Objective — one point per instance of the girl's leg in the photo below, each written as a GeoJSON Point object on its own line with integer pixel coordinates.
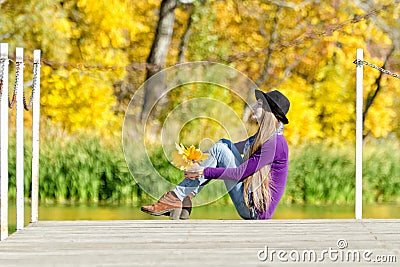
{"type": "Point", "coordinates": [236, 194]}
{"type": "Point", "coordinates": [222, 154]}
{"type": "Point", "coordinates": [235, 190]}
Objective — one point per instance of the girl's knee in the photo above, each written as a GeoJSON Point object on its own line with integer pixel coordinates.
{"type": "Point", "coordinates": [221, 145]}
{"type": "Point", "coordinates": [226, 142]}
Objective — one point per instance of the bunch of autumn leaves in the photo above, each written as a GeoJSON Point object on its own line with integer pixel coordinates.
{"type": "Point", "coordinates": [185, 157]}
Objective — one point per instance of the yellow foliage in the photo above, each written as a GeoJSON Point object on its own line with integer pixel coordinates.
{"type": "Point", "coordinates": [184, 157]}
{"type": "Point", "coordinates": [76, 101]}
{"type": "Point", "coordinates": [303, 125]}
{"type": "Point", "coordinates": [317, 72]}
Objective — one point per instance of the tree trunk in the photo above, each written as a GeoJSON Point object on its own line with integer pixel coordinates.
{"type": "Point", "coordinates": [158, 54]}
{"type": "Point", "coordinates": [373, 94]}
{"type": "Point", "coordinates": [264, 72]}
{"type": "Point", "coordinates": [185, 37]}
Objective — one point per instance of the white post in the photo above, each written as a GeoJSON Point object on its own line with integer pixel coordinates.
{"type": "Point", "coordinates": [4, 144]}
{"type": "Point", "coordinates": [35, 137]}
{"type": "Point", "coordinates": [19, 55]}
{"type": "Point", "coordinates": [359, 137]}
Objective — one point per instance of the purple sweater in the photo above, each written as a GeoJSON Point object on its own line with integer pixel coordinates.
{"type": "Point", "coordinates": [273, 151]}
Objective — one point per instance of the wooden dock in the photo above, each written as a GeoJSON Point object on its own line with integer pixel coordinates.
{"type": "Point", "coordinates": [204, 243]}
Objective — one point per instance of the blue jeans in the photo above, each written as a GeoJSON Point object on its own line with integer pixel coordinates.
{"type": "Point", "coordinates": [222, 154]}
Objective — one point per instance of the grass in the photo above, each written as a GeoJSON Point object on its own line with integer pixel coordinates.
{"type": "Point", "coordinates": [85, 170]}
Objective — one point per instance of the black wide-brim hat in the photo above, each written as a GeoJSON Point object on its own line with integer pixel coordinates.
{"type": "Point", "coordinates": [275, 102]}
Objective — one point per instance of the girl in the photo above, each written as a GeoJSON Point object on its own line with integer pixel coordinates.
{"type": "Point", "coordinates": [255, 182]}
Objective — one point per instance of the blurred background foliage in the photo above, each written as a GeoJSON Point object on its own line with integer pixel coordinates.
{"type": "Point", "coordinates": [96, 56]}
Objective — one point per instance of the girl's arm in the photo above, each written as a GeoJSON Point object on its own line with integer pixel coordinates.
{"type": "Point", "coordinates": [262, 157]}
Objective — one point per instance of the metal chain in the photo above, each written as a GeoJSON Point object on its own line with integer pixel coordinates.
{"type": "Point", "coordinates": [14, 97]}
{"type": "Point", "coordinates": [34, 81]}
{"type": "Point", "coordinates": [359, 62]}
{"type": "Point", "coordinates": [2, 61]}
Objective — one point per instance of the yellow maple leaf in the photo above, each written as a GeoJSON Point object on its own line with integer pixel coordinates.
{"type": "Point", "coordinates": [184, 157]}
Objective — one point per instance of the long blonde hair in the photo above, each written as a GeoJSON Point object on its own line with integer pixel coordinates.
{"type": "Point", "coordinates": [259, 182]}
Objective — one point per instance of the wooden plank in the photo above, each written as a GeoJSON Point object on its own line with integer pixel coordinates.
{"type": "Point", "coordinates": [190, 243]}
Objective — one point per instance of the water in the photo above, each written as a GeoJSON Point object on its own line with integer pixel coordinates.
{"type": "Point", "coordinates": [213, 211]}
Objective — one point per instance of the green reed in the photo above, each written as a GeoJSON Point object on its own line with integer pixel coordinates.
{"type": "Point", "coordinates": [325, 174]}
{"type": "Point", "coordinates": [85, 169]}
{"type": "Point", "coordinates": [78, 170]}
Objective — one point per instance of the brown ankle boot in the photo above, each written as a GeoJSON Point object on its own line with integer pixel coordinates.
{"type": "Point", "coordinates": [186, 207]}
{"type": "Point", "coordinates": [168, 203]}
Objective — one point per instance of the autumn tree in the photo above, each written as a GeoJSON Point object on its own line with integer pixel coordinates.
{"type": "Point", "coordinates": [97, 55]}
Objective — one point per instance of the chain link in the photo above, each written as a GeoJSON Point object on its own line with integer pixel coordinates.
{"type": "Point", "coordinates": [359, 62]}
{"type": "Point", "coordinates": [17, 78]}
{"type": "Point", "coordinates": [2, 62]}
{"type": "Point", "coordinates": [17, 74]}
{"type": "Point", "coordinates": [34, 81]}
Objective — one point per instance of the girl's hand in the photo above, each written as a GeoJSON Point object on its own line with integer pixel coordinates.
{"type": "Point", "coordinates": [195, 172]}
